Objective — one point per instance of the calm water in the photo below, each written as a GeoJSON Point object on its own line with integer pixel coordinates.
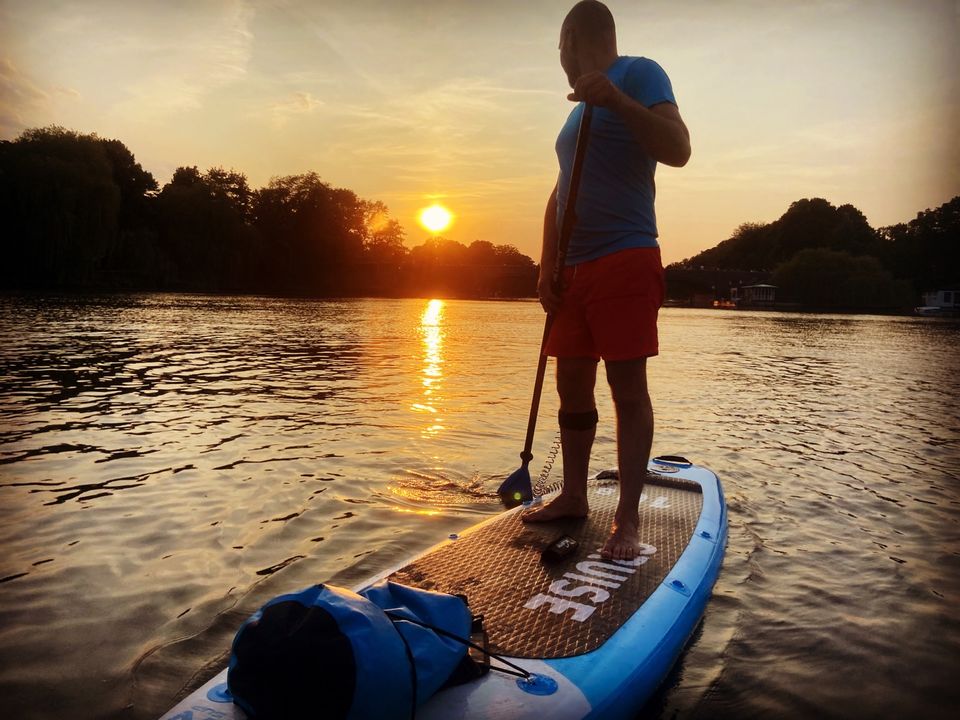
{"type": "Point", "coordinates": [168, 463]}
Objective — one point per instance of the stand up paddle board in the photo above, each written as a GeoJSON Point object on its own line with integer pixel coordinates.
{"type": "Point", "coordinates": [597, 635]}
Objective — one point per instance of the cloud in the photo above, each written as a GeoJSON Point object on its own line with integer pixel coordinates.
{"type": "Point", "coordinates": [296, 104]}
{"type": "Point", "coordinates": [23, 103]}
{"type": "Point", "coordinates": [453, 121]}
{"type": "Point", "coordinates": [178, 72]}
{"type": "Point", "coordinates": [17, 88]}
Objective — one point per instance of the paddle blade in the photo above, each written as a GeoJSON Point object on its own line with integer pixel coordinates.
{"type": "Point", "coordinates": [516, 489]}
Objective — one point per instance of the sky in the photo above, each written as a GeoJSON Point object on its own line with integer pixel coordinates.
{"type": "Point", "coordinates": [412, 102]}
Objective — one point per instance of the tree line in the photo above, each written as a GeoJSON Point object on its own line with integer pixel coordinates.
{"type": "Point", "coordinates": [80, 213]}
{"type": "Point", "coordinates": [822, 256]}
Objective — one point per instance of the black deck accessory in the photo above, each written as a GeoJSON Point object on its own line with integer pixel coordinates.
{"type": "Point", "coordinates": [562, 547]}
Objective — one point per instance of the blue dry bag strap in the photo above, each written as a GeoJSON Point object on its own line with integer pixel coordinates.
{"type": "Point", "coordinates": [519, 671]}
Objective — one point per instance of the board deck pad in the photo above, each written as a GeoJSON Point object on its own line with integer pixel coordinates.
{"type": "Point", "coordinates": [499, 569]}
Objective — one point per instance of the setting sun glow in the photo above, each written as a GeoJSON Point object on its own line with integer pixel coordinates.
{"type": "Point", "coordinates": [435, 218]}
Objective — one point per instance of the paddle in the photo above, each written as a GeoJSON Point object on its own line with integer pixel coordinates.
{"type": "Point", "coordinates": [517, 488]}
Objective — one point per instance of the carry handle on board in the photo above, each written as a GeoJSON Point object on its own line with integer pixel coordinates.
{"type": "Point", "coordinates": [518, 488]}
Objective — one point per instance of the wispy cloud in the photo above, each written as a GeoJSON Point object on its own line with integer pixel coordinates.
{"type": "Point", "coordinates": [180, 72]}
{"type": "Point", "coordinates": [23, 103]}
{"type": "Point", "coordinates": [15, 87]}
{"type": "Point", "coordinates": [298, 104]}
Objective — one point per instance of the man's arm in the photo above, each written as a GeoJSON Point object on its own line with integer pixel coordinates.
{"type": "Point", "coordinates": [548, 256]}
{"type": "Point", "coordinates": [659, 129]}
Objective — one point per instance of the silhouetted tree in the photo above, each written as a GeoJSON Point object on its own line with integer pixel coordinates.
{"type": "Point", "coordinates": [509, 255]}
{"type": "Point", "coordinates": [137, 186]}
{"type": "Point", "coordinates": [383, 238]}
{"type": "Point", "coordinates": [832, 279]}
{"type": "Point", "coordinates": [749, 247]}
{"type": "Point", "coordinates": [231, 187]}
{"type": "Point", "coordinates": [851, 233]}
{"type": "Point", "coordinates": [203, 229]}
{"type": "Point", "coordinates": [311, 228]}
{"type": "Point", "coordinates": [60, 207]}
{"type": "Point", "coordinates": [482, 253]}
{"type": "Point", "coordinates": [927, 249]}
{"type": "Point", "coordinates": [806, 224]}
{"type": "Point", "coordinates": [443, 266]}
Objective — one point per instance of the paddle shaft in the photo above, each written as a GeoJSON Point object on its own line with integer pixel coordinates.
{"type": "Point", "coordinates": [563, 240]}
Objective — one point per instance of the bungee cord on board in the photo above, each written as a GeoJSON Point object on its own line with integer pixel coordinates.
{"type": "Point", "coordinates": [541, 488]}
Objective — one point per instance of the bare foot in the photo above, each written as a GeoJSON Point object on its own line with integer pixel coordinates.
{"type": "Point", "coordinates": [623, 543]}
{"type": "Point", "coordinates": [563, 506]}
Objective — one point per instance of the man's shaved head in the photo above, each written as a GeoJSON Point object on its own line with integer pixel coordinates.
{"type": "Point", "coordinates": [592, 21]}
{"type": "Point", "coordinates": [588, 39]}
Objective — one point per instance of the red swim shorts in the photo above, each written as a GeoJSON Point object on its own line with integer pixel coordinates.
{"type": "Point", "coordinates": [610, 307]}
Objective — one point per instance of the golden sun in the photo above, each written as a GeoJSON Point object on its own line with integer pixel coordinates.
{"type": "Point", "coordinates": [435, 218]}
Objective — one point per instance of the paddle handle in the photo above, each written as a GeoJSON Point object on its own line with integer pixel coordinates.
{"type": "Point", "coordinates": [569, 220]}
{"type": "Point", "coordinates": [563, 241]}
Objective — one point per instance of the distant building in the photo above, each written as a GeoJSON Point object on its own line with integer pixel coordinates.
{"type": "Point", "coordinates": [756, 296]}
{"type": "Point", "coordinates": [940, 302]}
{"type": "Point", "coordinates": [942, 298]}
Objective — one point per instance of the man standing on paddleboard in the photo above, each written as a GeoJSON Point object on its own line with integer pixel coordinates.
{"type": "Point", "coordinates": [613, 279]}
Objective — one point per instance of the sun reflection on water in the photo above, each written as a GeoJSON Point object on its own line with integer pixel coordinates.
{"type": "Point", "coordinates": [431, 330]}
{"type": "Point", "coordinates": [415, 487]}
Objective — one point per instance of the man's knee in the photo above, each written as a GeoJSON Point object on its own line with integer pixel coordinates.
{"type": "Point", "coordinates": [578, 420]}
{"type": "Point", "coordinates": [576, 378]}
{"type": "Point", "coordinates": [628, 382]}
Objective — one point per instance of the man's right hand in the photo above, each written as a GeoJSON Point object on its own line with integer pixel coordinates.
{"type": "Point", "coordinates": [549, 298]}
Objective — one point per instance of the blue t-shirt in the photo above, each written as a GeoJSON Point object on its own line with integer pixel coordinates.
{"type": "Point", "coordinates": [617, 190]}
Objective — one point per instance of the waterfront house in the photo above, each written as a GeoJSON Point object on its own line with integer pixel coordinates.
{"type": "Point", "coordinates": [754, 296]}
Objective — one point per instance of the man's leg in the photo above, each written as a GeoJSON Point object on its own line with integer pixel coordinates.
{"type": "Point", "coordinates": [628, 385]}
{"type": "Point", "coordinates": [576, 378]}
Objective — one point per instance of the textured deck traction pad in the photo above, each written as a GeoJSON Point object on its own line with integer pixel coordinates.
{"type": "Point", "coordinates": [537, 610]}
